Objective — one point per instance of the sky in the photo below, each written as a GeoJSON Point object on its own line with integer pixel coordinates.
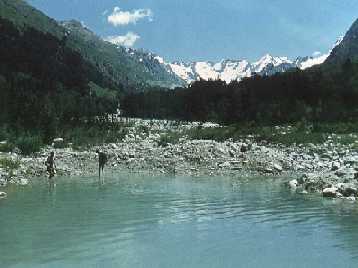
{"type": "Point", "coordinates": [194, 30]}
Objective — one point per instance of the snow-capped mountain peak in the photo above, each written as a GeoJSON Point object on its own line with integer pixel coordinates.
{"type": "Point", "coordinates": [266, 60]}
{"type": "Point", "coordinates": [229, 70]}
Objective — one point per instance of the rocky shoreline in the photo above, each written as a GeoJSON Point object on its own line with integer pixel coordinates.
{"type": "Point", "coordinates": [329, 168]}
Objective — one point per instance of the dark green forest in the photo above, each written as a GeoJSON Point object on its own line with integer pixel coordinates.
{"type": "Point", "coordinates": [324, 94]}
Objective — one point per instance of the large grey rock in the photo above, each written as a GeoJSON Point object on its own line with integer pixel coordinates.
{"type": "Point", "coordinates": [347, 189]}
{"type": "Point", "coordinates": [3, 195]}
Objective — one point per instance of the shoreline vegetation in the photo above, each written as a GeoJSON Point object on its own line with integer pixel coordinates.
{"type": "Point", "coordinates": [319, 158]}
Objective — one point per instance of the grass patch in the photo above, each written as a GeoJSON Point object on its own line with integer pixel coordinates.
{"type": "Point", "coordinates": [169, 138]}
{"type": "Point", "coordinates": [6, 147]}
{"type": "Point", "coordinates": [288, 135]}
{"type": "Point", "coordinates": [9, 164]}
{"type": "Point", "coordinates": [86, 136]}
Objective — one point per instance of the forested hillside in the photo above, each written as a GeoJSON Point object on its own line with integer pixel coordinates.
{"type": "Point", "coordinates": [45, 84]}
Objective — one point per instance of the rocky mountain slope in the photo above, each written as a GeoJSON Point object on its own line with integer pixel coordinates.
{"type": "Point", "coordinates": [131, 67]}
{"type": "Point", "coordinates": [347, 49]}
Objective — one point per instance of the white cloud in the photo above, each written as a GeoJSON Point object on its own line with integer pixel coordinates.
{"type": "Point", "coordinates": [127, 40]}
{"type": "Point", "coordinates": [120, 17]}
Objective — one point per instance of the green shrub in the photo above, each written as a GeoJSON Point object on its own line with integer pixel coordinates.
{"type": "Point", "coordinates": [29, 144]}
{"type": "Point", "coordinates": [168, 138]}
{"type": "Point", "coordinates": [88, 135]}
{"type": "Point", "coordinates": [9, 164]}
{"type": "Point", "coordinates": [6, 147]}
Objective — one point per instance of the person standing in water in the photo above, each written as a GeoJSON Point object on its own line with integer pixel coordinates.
{"type": "Point", "coordinates": [102, 160]}
{"type": "Point", "coordinates": [50, 165]}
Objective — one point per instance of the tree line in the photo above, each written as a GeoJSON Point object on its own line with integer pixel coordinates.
{"type": "Point", "coordinates": [320, 94]}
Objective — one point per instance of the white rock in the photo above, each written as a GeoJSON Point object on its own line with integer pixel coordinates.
{"type": "Point", "coordinates": [277, 167]}
{"type": "Point", "coordinates": [23, 182]}
{"type": "Point", "coordinates": [293, 184]}
{"type": "Point", "coordinates": [3, 195]}
{"type": "Point", "coordinates": [58, 140]}
{"type": "Point", "coordinates": [3, 182]}
{"type": "Point", "coordinates": [330, 192]}
{"type": "Point", "coordinates": [351, 198]}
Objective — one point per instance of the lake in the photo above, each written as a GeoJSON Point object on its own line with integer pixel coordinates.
{"type": "Point", "coordinates": [138, 220]}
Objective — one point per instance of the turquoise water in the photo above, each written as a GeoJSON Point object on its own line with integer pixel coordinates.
{"type": "Point", "coordinates": [142, 221]}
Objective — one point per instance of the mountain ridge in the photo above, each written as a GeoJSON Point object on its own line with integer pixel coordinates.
{"type": "Point", "coordinates": [235, 70]}
{"type": "Point", "coordinates": [347, 48]}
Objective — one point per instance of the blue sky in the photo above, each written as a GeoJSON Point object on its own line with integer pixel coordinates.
{"type": "Point", "coordinates": [213, 29]}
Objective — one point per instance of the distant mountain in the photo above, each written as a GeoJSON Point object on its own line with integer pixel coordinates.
{"type": "Point", "coordinates": [229, 70]}
{"type": "Point", "coordinates": [131, 67]}
{"type": "Point", "coordinates": [347, 48]}
{"type": "Point", "coordinates": [124, 67]}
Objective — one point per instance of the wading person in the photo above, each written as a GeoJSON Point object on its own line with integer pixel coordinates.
{"type": "Point", "coordinates": [102, 160]}
{"type": "Point", "coordinates": [50, 165]}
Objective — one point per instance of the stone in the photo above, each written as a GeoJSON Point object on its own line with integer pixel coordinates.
{"type": "Point", "coordinates": [224, 165]}
{"type": "Point", "coordinates": [351, 198]}
{"type": "Point", "coordinates": [244, 148]}
{"type": "Point", "coordinates": [23, 181]}
{"type": "Point", "coordinates": [277, 167]}
{"type": "Point", "coordinates": [113, 146]}
{"type": "Point", "coordinates": [302, 179]}
{"type": "Point", "coordinates": [58, 142]}
{"type": "Point", "coordinates": [293, 184]}
{"type": "Point", "coordinates": [3, 183]}
{"type": "Point", "coordinates": [335, 166]}
{"type": "Point", "coordinates": [347, 189]}
{"type": "Point", "coordinates": [330, 192]}
{"type": "Point", "coordinates": [303, 192]}
{"type": "Point", "coordinates": [268, 170]}
{"type": "Point", "coordinates": [3, 195]}
{"type": "Point", "coordinates": [339, 195]}
{"type": "Point", "coordinates": [348, 173]}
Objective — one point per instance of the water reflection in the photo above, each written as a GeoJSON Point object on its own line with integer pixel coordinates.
{"type": "Point", "coordinates": [142, 221]}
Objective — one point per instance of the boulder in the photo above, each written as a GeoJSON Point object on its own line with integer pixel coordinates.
{"type": "Point", "coordinates": [58, 143]}
{"type": "Point", "coordinates": [330, 192]}
{"type": "Point", "coordinates": [277, 167]}
{"type": "Point", "coordinates": [293, 184]}
{"type": "Point", "coordinates": [3, 195]}
{"type": "Point", "coordinates": [351, 198]}
{"type": "Point", "coordinates": [347, 190]}
{"type": "Point", "coordinates": [244, 148]}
